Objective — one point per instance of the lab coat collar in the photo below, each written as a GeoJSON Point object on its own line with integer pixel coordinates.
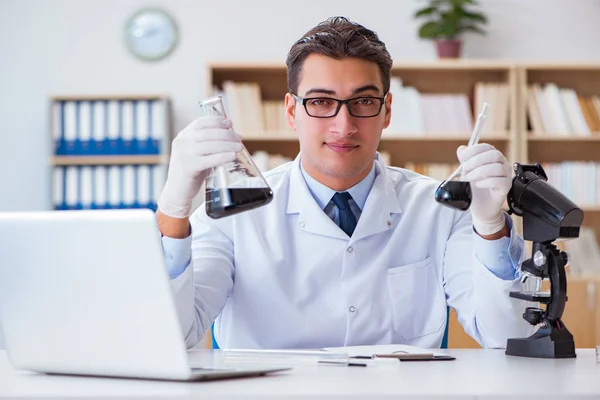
{"type": "Point", "coordinates": [382, 202]}
{"type": "Point", "coordinates": [323, 194]}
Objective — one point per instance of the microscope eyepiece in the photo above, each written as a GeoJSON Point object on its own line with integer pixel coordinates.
{"type": "Point", "coordinates": [547, 213]}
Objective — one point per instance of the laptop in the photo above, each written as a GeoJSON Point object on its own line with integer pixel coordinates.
{"type": "Point", "coordinates": [86, 292]}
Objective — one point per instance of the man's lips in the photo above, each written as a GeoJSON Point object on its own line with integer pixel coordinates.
{"type": "Point", "coordinates": [340, 147]}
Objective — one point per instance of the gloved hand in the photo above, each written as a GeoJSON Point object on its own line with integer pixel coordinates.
{"type": "Point", "coordinates": [205, 143]}
{"type": "Point", "coordinates": [490, 175]}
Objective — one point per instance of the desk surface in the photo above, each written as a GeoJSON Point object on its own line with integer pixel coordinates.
{"type": "Point", "coordinates": [475, 374]}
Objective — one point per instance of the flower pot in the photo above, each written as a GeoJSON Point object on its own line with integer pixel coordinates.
{"type": "Point", "coordinates": [448, 48]}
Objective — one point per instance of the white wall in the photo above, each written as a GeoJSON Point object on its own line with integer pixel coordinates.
{"type": "Point", "coordinates": [51, 47]}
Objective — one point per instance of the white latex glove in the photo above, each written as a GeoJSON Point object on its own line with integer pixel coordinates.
{"type": "Point", "coordinates": [205, 143]}
{"type": "Point", "coordinates": [490, 175]}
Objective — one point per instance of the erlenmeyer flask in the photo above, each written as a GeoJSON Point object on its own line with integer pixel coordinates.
{"type": "Point", "coordinates": [457, 194]}
{"type": "Point", "coordinates": [236, 186]}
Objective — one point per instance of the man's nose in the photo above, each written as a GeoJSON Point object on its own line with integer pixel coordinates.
{"type": "Point", "coordinates": [344, 123]}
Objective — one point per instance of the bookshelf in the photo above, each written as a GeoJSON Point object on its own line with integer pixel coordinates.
{"type": "Point", "coordinates": [459, 78]}
{"type": "Point", "coordinates": [108, 151]}
{"type": "Point", "coordinates": [559, 124]}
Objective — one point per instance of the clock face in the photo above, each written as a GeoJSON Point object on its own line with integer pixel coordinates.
{"type": "Point", "coordinates": [151, 34]}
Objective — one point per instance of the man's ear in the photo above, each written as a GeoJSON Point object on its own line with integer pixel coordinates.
{"type": "Point", "coordinates": [387, 110]}
{"type": "Point", "coordinates": [290, 110]}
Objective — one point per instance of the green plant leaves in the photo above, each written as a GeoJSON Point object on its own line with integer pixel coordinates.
{"type": "Point", "coordinates": [475, 16]}
{"type": "Point", "coordinates": [425, 11]}
{"type": "Point", "coordinates": [449, 18]}
{"type": "Point", "coordinates": [429, 30]}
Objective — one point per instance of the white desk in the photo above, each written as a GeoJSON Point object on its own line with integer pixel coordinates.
{"type": "Point", "coordinates": [475, 374]}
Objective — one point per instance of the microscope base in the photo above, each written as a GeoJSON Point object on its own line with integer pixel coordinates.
{"type": "Point", "coordinates": [545, 343]}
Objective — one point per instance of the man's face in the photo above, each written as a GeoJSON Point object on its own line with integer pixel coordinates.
{"type": "Point", "coordinates": [338, 151]}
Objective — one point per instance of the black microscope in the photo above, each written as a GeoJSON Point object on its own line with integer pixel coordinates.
{"type": "Point", "coordinates": [547, 215]}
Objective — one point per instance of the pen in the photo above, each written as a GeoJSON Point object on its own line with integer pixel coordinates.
{"type": "Point", "coordinates": [406, 356]}
{"type": "Point", "coordinates": [474, 135]}
{"type": "Point", "coordinates": [409, 357]}
{"type": "Point", "coordinates": [343, 363]}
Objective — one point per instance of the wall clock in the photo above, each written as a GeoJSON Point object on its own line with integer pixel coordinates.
{"type": "Point", "coordinates": [151, 34]}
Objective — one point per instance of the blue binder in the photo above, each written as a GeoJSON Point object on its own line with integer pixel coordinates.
{"type": "Point", "coordinates": [155, 142]}
{"type": "Point", "coordinates": [70, 121]}
{"type": "Point", "coordinates": [78, 149]}
{"type": "Point", "coordinates": [59, 145]}
{"type": "Point", "coordinates": [145, 146]}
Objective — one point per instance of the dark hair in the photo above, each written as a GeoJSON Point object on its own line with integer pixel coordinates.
{"type": "Point", "coordinates": [338, 37]}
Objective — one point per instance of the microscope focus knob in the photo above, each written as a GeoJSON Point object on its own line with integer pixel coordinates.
{"type": "Point", "coordinates": [539, 259]}
{"type": "Point", "coordinates": [533, 315]}
{"type": "Point", "coordinates": [565, 257]}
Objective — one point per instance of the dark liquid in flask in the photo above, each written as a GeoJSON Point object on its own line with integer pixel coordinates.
{"type": "Point", "coordinates": [454, 194]}
{"type": "Point", "coordinates": [240, 200]}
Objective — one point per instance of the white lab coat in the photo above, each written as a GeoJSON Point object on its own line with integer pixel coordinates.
{"type": "Point", "coordinates": [286, 276]}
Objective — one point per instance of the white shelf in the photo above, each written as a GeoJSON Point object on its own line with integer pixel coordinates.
{"type": "Point", "coordinates": [88, 97]}
{"type": "Point", "coordinates": [555, 138]}
{"type": "Point", "coordinates": [109, 160]}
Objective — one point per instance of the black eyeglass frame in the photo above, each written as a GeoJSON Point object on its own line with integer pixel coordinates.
{"type": "Point", "coordinates": [304, 100]}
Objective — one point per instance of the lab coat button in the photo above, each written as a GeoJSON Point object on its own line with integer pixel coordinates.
{"type": "Point", "coordinates": [301, 224]}
{"type": "Point", "coordinates": [389, 224]}
{"type": "Point", "coordinates": [169, 257]}
{"type": "Point", "coordinates": [352, 309]}
{"type": "Point", "coordinates": [349, 249]}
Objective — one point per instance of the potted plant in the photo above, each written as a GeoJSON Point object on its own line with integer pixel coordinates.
{"type": "Point", "coordinates": [446, 21]}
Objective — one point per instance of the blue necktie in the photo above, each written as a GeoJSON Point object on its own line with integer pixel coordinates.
{"type": "Point", "coordinates": [347, 218]}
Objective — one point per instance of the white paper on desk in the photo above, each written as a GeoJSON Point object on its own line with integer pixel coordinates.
{"type": "Point", "coordinates": [368, 351]}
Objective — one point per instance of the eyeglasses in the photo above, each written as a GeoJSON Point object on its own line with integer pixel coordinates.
{"type": "Point", "coordinates": [327, 107]}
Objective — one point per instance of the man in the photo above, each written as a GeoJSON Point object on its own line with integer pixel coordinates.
{"type": "Point", "coordinates": [350, 251]}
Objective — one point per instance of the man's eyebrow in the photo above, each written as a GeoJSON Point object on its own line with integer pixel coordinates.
{"type": "Point", "coordinates": [319, 90]}
{"type": "Point", "coordinates": [365, 88]}
{"type": "Point", "coordinates": [333, 92]}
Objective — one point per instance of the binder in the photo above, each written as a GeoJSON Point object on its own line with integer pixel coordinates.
{"type": "Point", "coordinates": [115, 187]}
{"type": "Point", "coordinates": [159, 173]}
{"type": "Point", "coordinates": [72, 188]}
{"type": "Point", "coordinates": [77, 150]}
{"type": "Point", "coordinates": [127, 127]}
{"type": "Point", "coordinates": [144, 187]}
{"type": "Point", "coordinates": [113, 134]}
{"type": "Point", "coordinates": [59, 188]}
{"type": "Point", "coordinates": [87, 187]}
{"type": "Point", "coordinates": [98, 127]}
{"type": "Point", "coordinates": [136, 188]}
{"type": "Point", "coordinates": [142, 127]}
{"type": "Point", "coordinates": [58, 127]}
{"type": "Point", "coordinates": [100, 200]}
{"type": "Point", "coordinates": [78, 204]}
{"type": "Point", "coordinates": [70, 120]}
{"type": "Point", "coordinates": [128, 186]}
{"type": "Point", "coordinates": [84, 127]}
{"type": "Point", "coordinates": [157, 126]}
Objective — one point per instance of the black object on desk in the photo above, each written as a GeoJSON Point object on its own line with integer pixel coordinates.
{"type": "Point", "coordinates": [410, 357]}
{"type": "Point", "coordinates": [435, 357]}
{"type": "Point", "coordinates": [547, 215]}
{"type": "Point", "coordinates": [343, 363]}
